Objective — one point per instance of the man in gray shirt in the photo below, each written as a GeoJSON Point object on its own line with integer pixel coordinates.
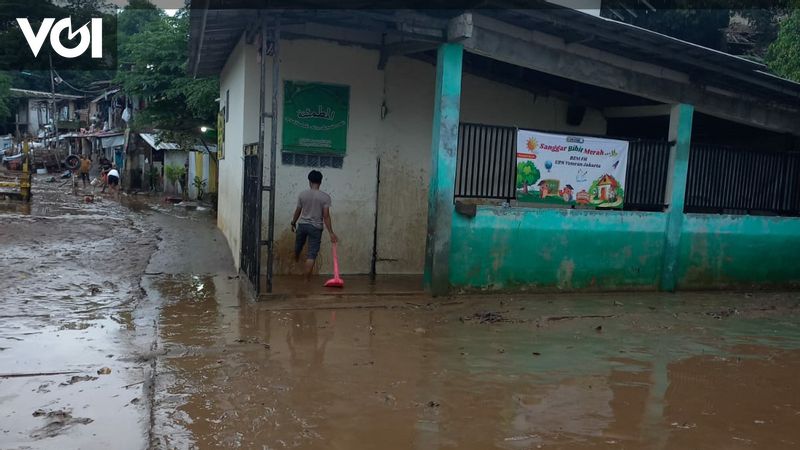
{"type": "Point", "coordinates": [312, 212]}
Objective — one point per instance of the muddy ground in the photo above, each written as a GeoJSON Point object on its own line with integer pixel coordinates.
{"type": "Point", "coordinates": [149, 293]}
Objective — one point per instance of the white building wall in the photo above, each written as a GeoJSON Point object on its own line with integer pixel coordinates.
{"type": "Point", "coordinates": [229, 207]}
{"type": "Point", "coordinates": [402, 140]}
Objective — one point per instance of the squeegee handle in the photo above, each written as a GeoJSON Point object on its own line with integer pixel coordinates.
{"type": "Point", "coordinates": [335, 261]}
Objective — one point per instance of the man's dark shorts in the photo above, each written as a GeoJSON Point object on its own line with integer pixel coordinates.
{"type": "Point", "coordinates": [112, 180]}
{"type": "Point", "coordinates": [314, 236]}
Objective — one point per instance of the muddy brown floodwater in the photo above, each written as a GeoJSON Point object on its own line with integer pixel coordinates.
{"type": "Point", "coordinates": [70, 297]}
{"type": "Point", "coordinates": [150, 292]}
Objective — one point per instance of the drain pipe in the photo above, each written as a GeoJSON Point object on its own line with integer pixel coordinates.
{"type": "Point", "coordinates": [372, 269]}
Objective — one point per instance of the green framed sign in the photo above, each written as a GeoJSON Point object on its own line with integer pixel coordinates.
{"type": "Point", "coordinates": [315, 118]}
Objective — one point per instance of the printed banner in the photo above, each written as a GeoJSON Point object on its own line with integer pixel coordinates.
{"type": "Point", "coordinates": [570, 170]}
{"type": "Point", "coordinates": [315, 118]}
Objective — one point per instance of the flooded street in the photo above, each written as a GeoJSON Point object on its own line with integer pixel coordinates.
{"type": "Point", "coordinates": [73, 346]}
{"type": "Point", "coordinates": [149, 293]}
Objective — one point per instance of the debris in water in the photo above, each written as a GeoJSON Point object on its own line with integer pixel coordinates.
{"type": "Point", "coordinates": [592, 316]}
{"type": "Point", "coordinates": [78, 379]}
{"type": "Point", "coordinates": [486, 317]}
{"type": "Point", "coordinates": [599, 329]}
{"type": "Point", "coordinates": [104, 371]}
{"type": "Point", "coordinates": [59, 420]}
{"type": "Point", "coordinates": [521, 438]}
{"type": "Point", "coordinates": [433, 404]}
{"type": "Point", "coordinates": [537, 354]}
{"type": "Point", "coordinates": [722, 314]}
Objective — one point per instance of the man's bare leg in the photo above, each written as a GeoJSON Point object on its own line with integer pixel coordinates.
{"type": "Point", "coordinates": [309, 269]}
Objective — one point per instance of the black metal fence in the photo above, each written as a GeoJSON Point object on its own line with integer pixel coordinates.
{"type": "Point", "coordinates": [646, 176]}
{"type": "Point", "coordinates": [486, 162]}
{"type": "Point", "coordinates": [729, 180]}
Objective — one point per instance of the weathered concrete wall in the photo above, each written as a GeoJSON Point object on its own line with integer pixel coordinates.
{"type": "Point", "coordinates": [569, 249]}
{"type": "Point", "coordinates": [720, 251]}
{"type": "Point", "coordinates": [402, 140]}
{"type": "Point", "coordinates": [557, 248]}
{"type": "Point", "coordinates": [229, 213]}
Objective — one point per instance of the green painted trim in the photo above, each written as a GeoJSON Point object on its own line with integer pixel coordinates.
{"type": "Point", "coordinates": [732, 251]}
{"type": "Point", "coordinates": [681, 133]}
{"type": "Point", "coordinates": [564, 249]}
{"type": "Point", "coordinates": [444, 149]}
{"type": "Point", "coordinates": [544, 248]}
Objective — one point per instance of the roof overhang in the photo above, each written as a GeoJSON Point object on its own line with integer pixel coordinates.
{"type": "Point", "coordinates": [553, 40]}
{"type": "Point", "coordinates": [27, 93]}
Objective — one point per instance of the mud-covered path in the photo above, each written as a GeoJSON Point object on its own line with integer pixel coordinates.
{"type": "Point", "coordinates": [74, 348]}
{"type": "Point", "coordinates": [150, 293]}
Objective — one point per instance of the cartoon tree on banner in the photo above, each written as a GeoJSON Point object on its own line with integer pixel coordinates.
{"type": "Point", "coordinates": [527, 175]}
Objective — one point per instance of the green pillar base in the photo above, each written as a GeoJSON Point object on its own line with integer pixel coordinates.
{"type": "Point", "coordinates": [444, 151]}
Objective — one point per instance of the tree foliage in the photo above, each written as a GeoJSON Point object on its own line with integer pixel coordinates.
{"type": "Point", "coordinates": [154, 67]}
{"type": "Point", "coordinates": [783, 56]}
{"type": "Point", "coordinates": [5, 96]}
{"type": "Point", "coordinates": [682, 19]}
{"type": "Point", "coordinates": [527, 175]}
{"type": "Point", "coordinates": [744, 27]}
{"type": "Point", "coordinates": [134, 18]}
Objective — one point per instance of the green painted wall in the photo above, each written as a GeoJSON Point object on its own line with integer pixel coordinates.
{"type": "Point", "coordinates": [507, 248]}
{"type": "Point", "coordinates": [719, 251]}
{"type": "Point", "coordinates": [557, 248]}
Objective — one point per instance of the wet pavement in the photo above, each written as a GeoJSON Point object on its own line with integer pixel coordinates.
{"type": "Point", "coordinates": [196, 364]}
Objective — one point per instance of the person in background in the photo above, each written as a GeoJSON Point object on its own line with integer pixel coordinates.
{"type": "Point", "coordinates": [312, 212]}
{"type": "Point", "coordinates": [113, 179]}
{"type": "Point", "coordinates": [86, 164]}
{"type": "Point", "coordinates": [105, 164]}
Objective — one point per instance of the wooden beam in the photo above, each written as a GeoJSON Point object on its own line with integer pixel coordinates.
{"type": "Point", "coordinates": [330, 32]}
{"type": "Point", "coordinates": [460, 28]}
{"type": "Point", "coordinates": [624, 112]}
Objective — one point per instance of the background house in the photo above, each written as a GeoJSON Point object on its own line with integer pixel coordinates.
{"type": "Point", "coordinates": [34, 115]}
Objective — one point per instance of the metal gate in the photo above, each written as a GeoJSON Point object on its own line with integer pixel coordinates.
{"type": "Point", "coordinates": [253, 189]}
{"type": "Point", "coordinates": [251, 198]}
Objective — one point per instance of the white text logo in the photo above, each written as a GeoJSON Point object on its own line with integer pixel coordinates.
{"type": "Point", "coordinates": [93, 38]}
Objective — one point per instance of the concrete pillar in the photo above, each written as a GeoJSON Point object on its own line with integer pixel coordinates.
{"type": "Point", "coordinates": [680, 133]}
{"type": "Point", "coordinates": [444, 150]}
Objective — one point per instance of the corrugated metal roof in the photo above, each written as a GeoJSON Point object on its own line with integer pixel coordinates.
{"type": "Point", "coordinates": [105, 95]}
{"type": "Point", "coordinates": [161, 145]}
{"type": "Point", "coordinates": [152, 138]}
{"type": "Point", "coordinates": [16, 92]}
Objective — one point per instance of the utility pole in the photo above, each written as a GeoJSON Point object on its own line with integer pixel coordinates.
{"type": "Point", "coordinates": [53, 93]}
{"type": "Point", "coordinates": [54, 110]}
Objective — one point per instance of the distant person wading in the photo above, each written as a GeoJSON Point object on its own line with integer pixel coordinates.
{"type": "Point", "coordinates": [86, 164]}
